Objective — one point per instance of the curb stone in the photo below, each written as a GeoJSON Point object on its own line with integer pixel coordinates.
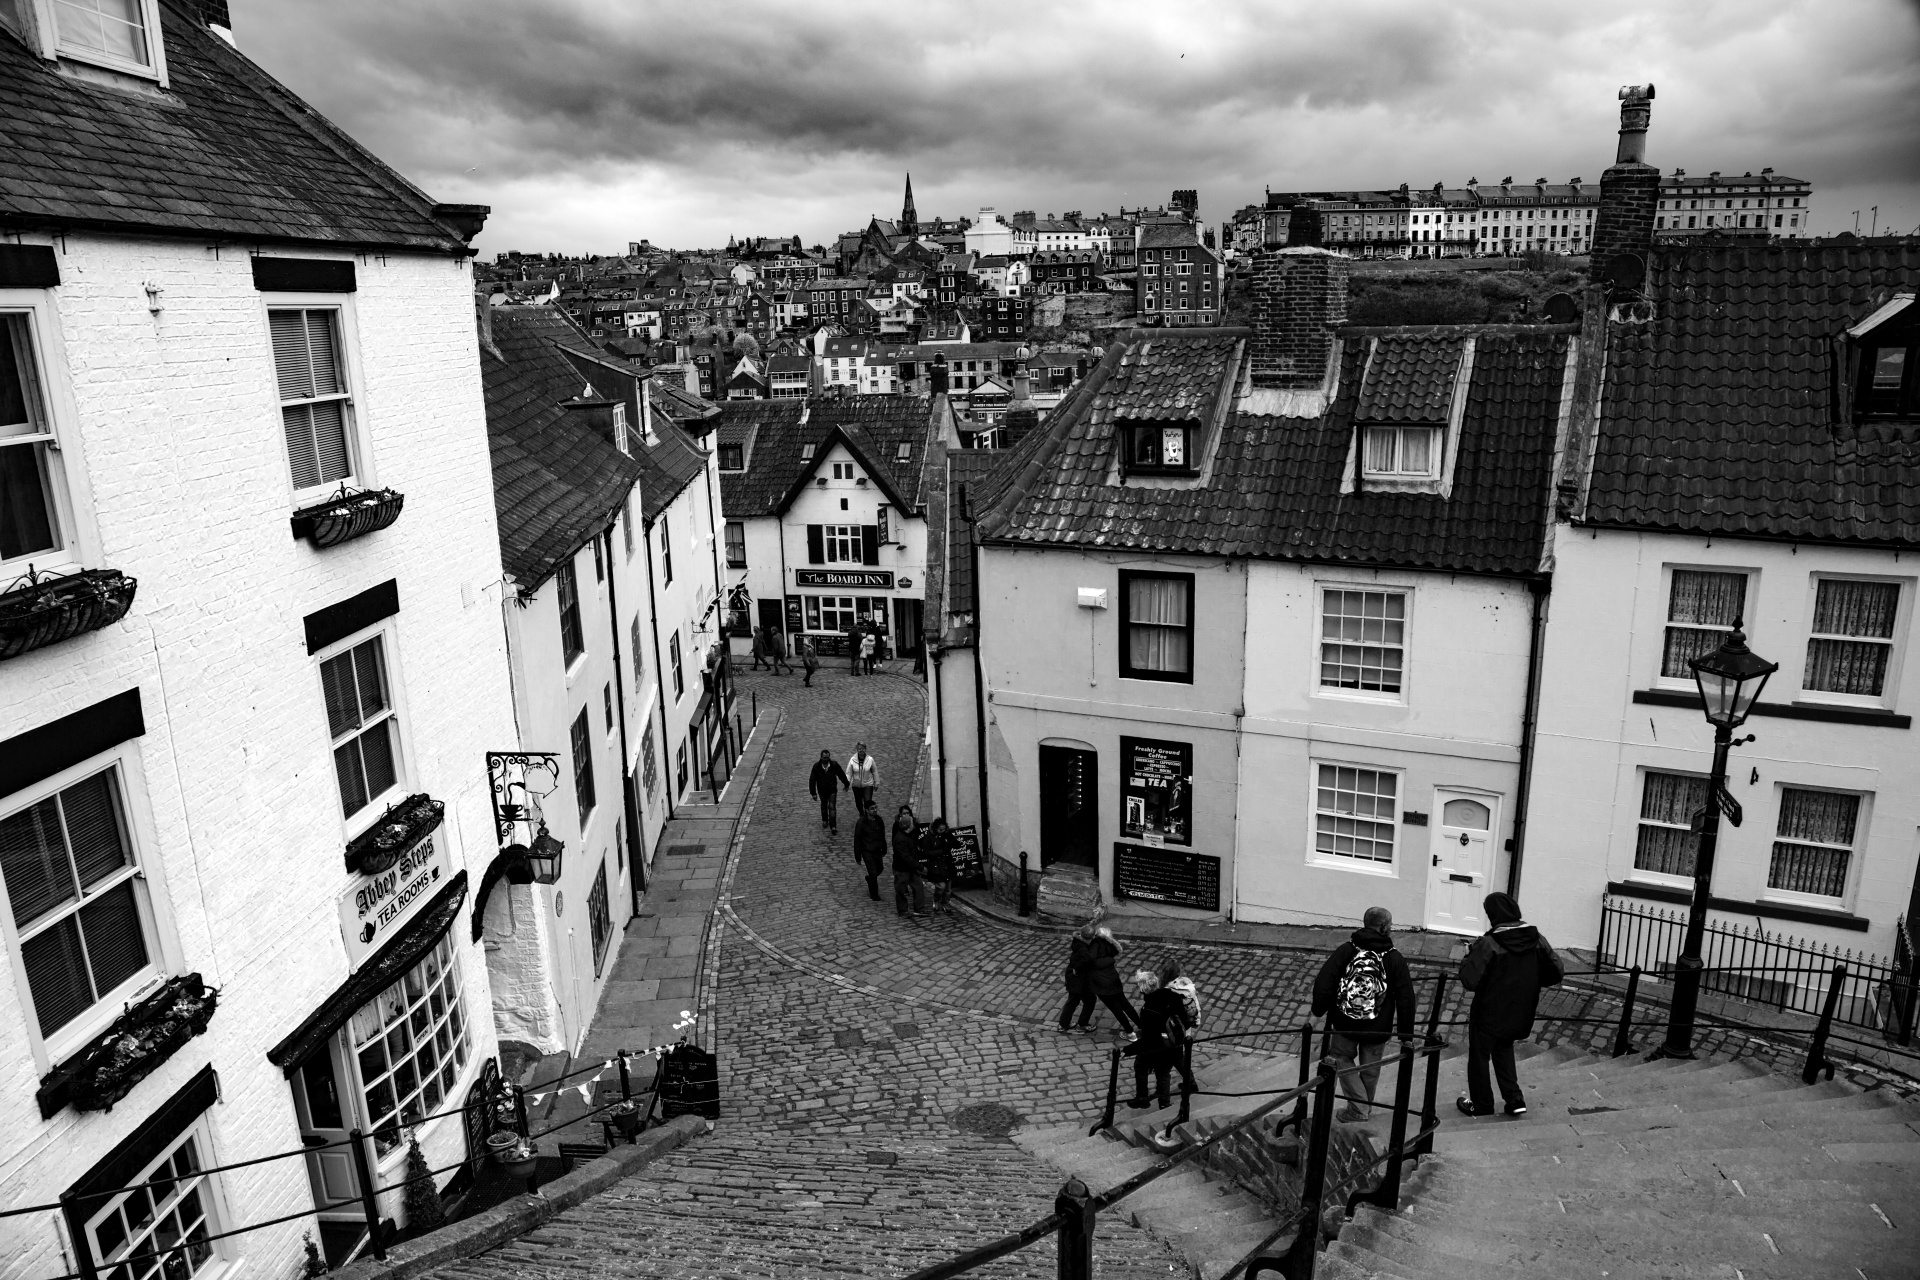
{"type": "Point", "coordinates": [522, 1214]}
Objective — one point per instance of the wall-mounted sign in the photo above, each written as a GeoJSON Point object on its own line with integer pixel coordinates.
{"type": "Point", "coordinates": [1156, 791]}
{"type": "Point", "coordinates": [843, 578]}
{"type": "Point", "coordinates": [1173, 876]}
{"type": "Point", "coordinates": [905, 583]}
{"type": "Point", "coordinates": [376, 906]}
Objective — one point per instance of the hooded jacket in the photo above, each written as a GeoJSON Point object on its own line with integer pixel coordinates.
{"type": "Point", "coordinates": [1163, 1023]}
{"type": "Point", "coordinates": [906, 846]}
{"type": "Point", "coordinates": [1103, 979]}
{"type": "Point", "coordinates": [870, 842]}
{"type": "Point", "coordinates": [1079, 961]}
{"type": "Point", "coordinates": [1505, 968]}
{"type": "Point", "coordinates": [1395, 1010]}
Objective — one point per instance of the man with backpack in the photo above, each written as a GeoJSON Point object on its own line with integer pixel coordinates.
{"type": "Point", "coordinates": [1365, 992]}
{"type": "Point", "coordinates": [1505, 968]}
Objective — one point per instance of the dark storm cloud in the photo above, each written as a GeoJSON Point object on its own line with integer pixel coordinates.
{"type": "Point", "coordinates": [663, 107]}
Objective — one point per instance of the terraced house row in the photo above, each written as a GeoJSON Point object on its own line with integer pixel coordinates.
{"type": "Point", "coordinates": [1284, 622]}
{"type": "Point", "coordinates": [354, 648]}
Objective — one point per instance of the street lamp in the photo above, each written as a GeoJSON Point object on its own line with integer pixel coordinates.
{"type": "Point", "coordinates": [1730, 680]}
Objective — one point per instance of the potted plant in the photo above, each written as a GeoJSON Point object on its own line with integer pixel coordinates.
{"type": "Point", "coordinates": [519, 1160]}
{"type": "Point", "coordinates": [142, 1038]}
{"type": "Point", "coordinates": [405, 824]}
{"type": "Point", "coordinates": [501, 1145]}
{"type": "Point", "coordinates": [626, 1117]}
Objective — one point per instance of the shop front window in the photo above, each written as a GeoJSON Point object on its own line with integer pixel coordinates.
{"type": "Point", "coordinates": [412, 1042]}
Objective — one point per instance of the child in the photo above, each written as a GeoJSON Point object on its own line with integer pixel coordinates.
{"type": "Point", "coordinates": [1164, 1024]}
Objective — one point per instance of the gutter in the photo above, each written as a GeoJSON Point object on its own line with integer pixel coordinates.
{"type": "Point", "coordinates": [979, 676]}
{"type": "Point", "coordinates": [1540, 589]}
{"type": "Point", "coordinates": [634, 835]}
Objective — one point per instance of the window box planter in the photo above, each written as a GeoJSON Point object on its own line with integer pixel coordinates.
{"type": "Point", "coordinates": [348, 515]}
{"type": "Point", "coordinates": [46, 608]}
{"type": "Point", "coordinates": [401, 827]}
{"type": "Point", "coordinates": [129, 1051]}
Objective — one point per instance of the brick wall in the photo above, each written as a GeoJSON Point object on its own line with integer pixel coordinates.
{"type": "Point", "coordinates": [1299, 297]}
{"type": "Point", "coordinates": [1629, 194]}
{"type": "Point", "coordinates": [174, 444]}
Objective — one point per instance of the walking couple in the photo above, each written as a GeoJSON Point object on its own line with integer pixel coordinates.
{"type": "Point", "coordinates": [923, 864]}
{"type": "Point", "coordinates": [861, 774]}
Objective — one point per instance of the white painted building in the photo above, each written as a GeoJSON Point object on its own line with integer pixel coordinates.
{"type": "Point", "coordinates": [197, 786]}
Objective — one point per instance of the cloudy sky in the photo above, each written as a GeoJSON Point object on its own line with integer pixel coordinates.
{"type": "Point", "coordinates": [589, 123]}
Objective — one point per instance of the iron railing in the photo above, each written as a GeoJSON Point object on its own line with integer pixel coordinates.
{"type": "Point", "coordinates": [1747, 963]}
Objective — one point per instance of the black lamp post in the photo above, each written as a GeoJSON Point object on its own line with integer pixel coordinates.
{"type": "Point", "coordinates": [1730, 680]}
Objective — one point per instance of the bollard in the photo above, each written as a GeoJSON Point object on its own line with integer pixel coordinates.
{"type": "Point", "coordinates": [1817, 1054]}
{"type": "Point", "coordinates": [1025, 908]}
{"type": "Point", "coordinates": [1623, 1038]}
{"type": "Point", "coordinates": [1075, 1238]}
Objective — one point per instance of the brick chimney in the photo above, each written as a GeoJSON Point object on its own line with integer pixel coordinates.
{"type": "Point", "coordinates": [1299, 299]}
{"type": "Point", "coordinates": [1629, 194]}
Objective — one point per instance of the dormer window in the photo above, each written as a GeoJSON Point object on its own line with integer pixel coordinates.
{"type": "Point", "coordinates": [1403, 453]}
{"type": "Point", "coordinates": [1886, 369]}
{"type": "Point", "coordinates": [1157, 448]}
{"type": "Point", "coordinates": [733, 457]}
{"type": "Point", "coordinates": [806, 453]}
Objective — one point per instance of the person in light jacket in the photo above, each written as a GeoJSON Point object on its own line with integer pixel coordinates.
{"type": "Point", "coordinates": [1505, 968]}
{"type": "Point", "coordinates": [863, 775]}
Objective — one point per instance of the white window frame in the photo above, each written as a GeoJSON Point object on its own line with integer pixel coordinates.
{"type": "Point", "coordinates": [837, 537]}
{"type": "Point", "coordinates": [387, 632]}
{"type": "Point", "coordinates": [1662, 622]}
{"type": "Point", "coordinates": [150, 897]}
{"type": "Point", "coordinates": [362, 474]}
{"type": "Point", "coordinates": [1634, 872]}
{"type": "Point", "coordinates": [1896, 645]}
{"type": "Point", "coordinates": [212, 1198]}
{"type": "Point", "coordinates": [1435, 451]}
{"type": "Point", "coordinates": [40, 30]}
{"type": "Point", "coordinates": [1319, 640]}
{"type": "Point", "coordinates": [66, 475]}
{"type": "Point", "coordinates": [1389, 869]}
{"type": "Point", "coordinates": [356, 1103]}
{"type": "Point", "coordinates": [1862, 822]}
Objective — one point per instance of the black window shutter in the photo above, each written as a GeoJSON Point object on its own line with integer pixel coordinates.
{"type": "Point", "coordinates": [869, 544]}
{"type": "Point", "coordinates": [816, 545]}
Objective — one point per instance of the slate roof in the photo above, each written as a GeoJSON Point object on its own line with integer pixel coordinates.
{"type": "Point", "coordinates": [876, 424]}
{"type": "Point", "coordinates": [556, 482]}
{"type": "Point", "coordinates": [1165, 235]}
{"type": "Point", "coordinates": [972, 469]}
{"type": "Point", "coordinates": [1718, 416]}
{"type": "Point", "coordinates": [1274, 487]}
{"type": "Point", "coordinates": [1410, 378]}
{"type": "Point", "coordinates": [227, 151]}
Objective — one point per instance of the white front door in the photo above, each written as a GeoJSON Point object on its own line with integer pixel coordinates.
{"type": "Point", "coordinates": [326, 1115]}
{"type": "Point", "coordinates": [1462, 862]}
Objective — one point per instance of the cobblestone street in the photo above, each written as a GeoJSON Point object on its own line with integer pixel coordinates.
{"type": "Point", "coordinates": [871, 1065]}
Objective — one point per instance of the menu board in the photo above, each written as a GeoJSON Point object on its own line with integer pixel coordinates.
{"type": "Point", "coordinates": [1156, 791]}
{"type": "Point", "coordinates": [969, 867]}
{"type": "Point", "coordinates": [1173, 876]}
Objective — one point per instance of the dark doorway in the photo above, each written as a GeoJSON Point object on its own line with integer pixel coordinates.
{"type": "Point", "coordinates": [906, 628]}
{"type": "Point", "coordinates": [772, 618]}
{"type": "Point", "coordinates": [1069, 807]}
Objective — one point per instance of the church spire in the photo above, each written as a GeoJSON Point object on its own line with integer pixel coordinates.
{"type": "Point", "coordinates": [909, 220]}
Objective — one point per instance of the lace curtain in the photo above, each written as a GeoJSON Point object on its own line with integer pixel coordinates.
{"type": "Point", "coordinates": [1668, 803]}
{"type": "Point", "coordinates": [1809, 820]}
{"type": "Point", "coordinates": [1864, 609]}
{"type": "Point", "coordinates": [1713, 600]}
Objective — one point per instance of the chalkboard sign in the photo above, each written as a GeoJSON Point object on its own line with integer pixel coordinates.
{"type": "Point", "coordinates": [969, 868]}
{"type": "Point", "coordinates": [1173, 876]}
{"type": "Point", "coordinates": [689, 1083]}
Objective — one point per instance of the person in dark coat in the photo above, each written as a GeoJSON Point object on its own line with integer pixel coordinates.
{"type": "Point", "coordinates": [760, 650]}
{"type": "Point", "coordinates": [1163, 1030]}
{"type": "Point", "coordinates": [777, 652]}
{"type": "Point", "coordinates": [936, 861]}
{"type": "Point", "coordinates": [1365, 1004]}
{"type": "Point", "coordinates": [824, 784]}
{"type": "Point", "coordinates": [909, 891]}
{"type": "Point", "coordinates": [1103, 978]}
{"type": "Point", "coordinates": [870, 847]}
{"type": "Point", "coordinates": [853, 647]}
{"type": "Point", "coordinates": [1505, 968]}
{"type": "Point", "coordinates": [1079, 981]}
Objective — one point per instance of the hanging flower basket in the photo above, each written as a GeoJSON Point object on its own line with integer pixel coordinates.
{"type": "Point", "coordinates": [45, 608]}
{"type": "Point", "coordinates": [348, 515]}
{"type": "Point", "coordinates": [139, 1040]}
{"type": "Point", "coordinates": [401, 827]}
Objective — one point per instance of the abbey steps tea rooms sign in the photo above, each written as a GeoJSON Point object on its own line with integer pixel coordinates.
{"type": "Point", "coordinates": [375, 907]}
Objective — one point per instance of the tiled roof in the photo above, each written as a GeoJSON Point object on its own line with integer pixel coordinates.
{"type": "Point", "coordinates": [556, 481]}
{"type": "Point", "coordinates": [1273, 490]}
{"type": "Point", "coordinates": [226, 151]}
{"type": "Point", "coordinates": [1163, 235]}
{"type": "Point", "coordinates": [1718, 413]}
{"type": "Point", "coordinates": [970, 469]}
{"type": "Point", "coordinates": [1159, 380]}
{"type": "Point", "coordinates": [1409, 378]}
{"type": "Point", "coordinates": [878, 425]}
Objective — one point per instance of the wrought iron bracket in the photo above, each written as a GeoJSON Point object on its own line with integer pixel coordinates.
{"type": "Point", "coordinates": [511, 771]}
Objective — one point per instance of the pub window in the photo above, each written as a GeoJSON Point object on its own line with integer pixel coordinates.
{"type": "Point", "coordinates": [736, 544]}
{"type": "Point", "coordinates": [1851, 643]}
{"type": "Point", "coordinates": [1355, 814]}
{"type": "Point", "coordinates": [78, 901]}
{"type": "Point", "coordinates": [581, 740]}
{"type": "Point", "coordinates": [1669, 803]}
{"type": "Point", "coordinates": [362, 724]}
{"type": "Point", "coordinates": [170, 1203]}
{"type": "Point", "coordinates": [843, 544]}
{"type": "Point", "coordinates": [411, 1043]}
{"type": "Point", "coordinates": [1156, 640]}
{"type": "Point", "coordinates": [599, 918]}
{"type": "Point", "coordinates": [316, 402]}
{"type": "Point", "coordinates": [673, 660]}
{"type": "Point", "coordinates": [1154, 447]}
{"type": "Point", "coordinates": [1363, 638]}
{"type": "Point", "coordinates": [573, 640]}
{"type": "Point", "coordinates": [1813, 842]}
{"type": "Point", "coordinates": [30, 521]}
{"type": "Point", "coordinates": [837, 613]}
{"type": "Point", "coordinates": [1702, 607]}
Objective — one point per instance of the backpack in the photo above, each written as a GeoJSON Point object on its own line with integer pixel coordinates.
{"type": "Point", "coordinates": [1189, 1003]}
{"type": "Point", "coordinates": [1363, 985]}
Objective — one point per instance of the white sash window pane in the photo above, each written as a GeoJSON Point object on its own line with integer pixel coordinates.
{"type": "Point", "coordinates": [1355, 813]}
{"type": "Point", "coordinates": [1157, 615]}
{"type": "Point", "coordinates": [27, 523]}
{"type": "Point", "coordinates": [292, 356]}
{"type": "Point", "coordinates": [313, 396]}
{"type": "Point", "coordinates": [1814, 847]}
{"type": "Point", "coordinates": [1702, 607]}
{"type": "Point", "coordinates": [1416, 452]}
{"type": "Point", "coordinates": [114, 27]}
{"type": "Point", "coordinates": [1380, 450]}
{"type": "Point", "coordinates": [33, 859]}
{"type": "Point", "coordinates": [1852, 637]}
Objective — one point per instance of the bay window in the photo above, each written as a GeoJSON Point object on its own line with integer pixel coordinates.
{"type": "Point", "coordinates": [411, 1043]}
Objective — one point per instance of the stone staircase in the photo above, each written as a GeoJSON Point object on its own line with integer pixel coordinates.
{"type": "Point", "coordinates": [1623, 1169]}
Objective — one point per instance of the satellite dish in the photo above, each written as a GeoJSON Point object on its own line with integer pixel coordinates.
{"type": "Point", "coordinates": [1562, 309]}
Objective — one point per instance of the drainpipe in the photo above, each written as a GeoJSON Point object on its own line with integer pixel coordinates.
{"type": "Point", "coordinates": [634, 834]}
{"type": "Point", "coordinates": [979, 672]}
{"type": "Point", "coordinates": [939, 727]}
{"type": "Point", "coordinates": [1529, 724]}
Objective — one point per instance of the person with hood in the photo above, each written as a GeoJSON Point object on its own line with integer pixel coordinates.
{"type": "Point", "coordinates": [824, 784]}
{"type": "Point", "coordinates": [909, 891]}
{"type": "Point", "coordinates": [870, 847]}
{"type": "Point", "coordinates": [1505, 968]}
{"type": "Point", "coordinates": [1365, 992]}
{"type": "Point", "coordinates": [1103, 978]}
{"type": "Point", "coordinates": [1166, 1020]}
{"type": "Point", "coordinates": [936, 861]}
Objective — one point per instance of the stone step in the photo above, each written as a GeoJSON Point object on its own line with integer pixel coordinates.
{"type": "Point", "coordinates": [1664, 1233]}
{"type": "Point", "coordinates": [1344, 1258]}
{"type": "Point", "coordinates": [1401, 1244]}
